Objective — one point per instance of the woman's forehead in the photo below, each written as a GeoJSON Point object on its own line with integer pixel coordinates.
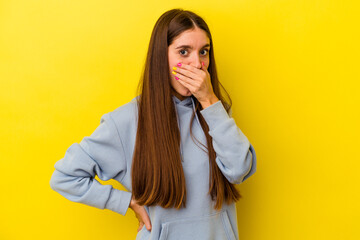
{"type": "Point", "coordinates": [191, 38]}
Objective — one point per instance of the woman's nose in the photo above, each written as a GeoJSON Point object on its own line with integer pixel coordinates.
{"type": "Point", "coordinates": [196, 61]}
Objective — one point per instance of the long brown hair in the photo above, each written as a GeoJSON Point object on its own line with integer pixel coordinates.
{"type": "Point", "coordinates": [157, 174]}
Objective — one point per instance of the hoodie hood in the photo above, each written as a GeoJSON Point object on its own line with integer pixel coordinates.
{"type": "Point", "coordinates": [188, 102]}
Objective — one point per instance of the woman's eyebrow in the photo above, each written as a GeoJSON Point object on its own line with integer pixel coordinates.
{"type": "Point", "coordinates": [188, 46]}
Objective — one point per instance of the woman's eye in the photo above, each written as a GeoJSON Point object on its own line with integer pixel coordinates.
{"type": "Point", "coordinates": [206, 51]}
{"type": "Point", "coordinates": [181, 51]}
{"type": "Point", "coordinates": [204, 54]}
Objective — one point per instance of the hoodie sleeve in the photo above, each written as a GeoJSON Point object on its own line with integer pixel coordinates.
{"type": "Point", "coordinates": [235, 155]}
{"type": "Point", "coordinates": [100, 154]}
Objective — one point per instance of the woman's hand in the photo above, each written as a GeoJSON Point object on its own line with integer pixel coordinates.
{"type": "Point", "coordinates": [141, 215]}
{"type": "Point", "coordinates": [198, 82]}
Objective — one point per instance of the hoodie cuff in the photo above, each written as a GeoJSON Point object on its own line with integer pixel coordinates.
{"type": "Point", "coordinates": [119, 201]}
{"type": "Point", "coordinates": [214, 114]}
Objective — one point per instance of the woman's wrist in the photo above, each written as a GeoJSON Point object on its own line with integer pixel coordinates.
{"type": "Point", "coordinates": [132, 202]}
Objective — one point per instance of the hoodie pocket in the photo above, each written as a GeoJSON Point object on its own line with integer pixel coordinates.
{"type": "Point", "coordinates": [215, 226]}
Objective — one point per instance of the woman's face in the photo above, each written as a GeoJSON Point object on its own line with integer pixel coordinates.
{"type": "Point", "coordinates": [190, 47]}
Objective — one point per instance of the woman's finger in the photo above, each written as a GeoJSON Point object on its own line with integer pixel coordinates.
{"type": "Point", "coordinates": [185, 72]}
{"type": "Point", "coordinates": [145, 218]}
{"type": "Point", "coordinates": [141, 215]}
{"type": "Point", "coordinates": [186, 84]}
{"type": "Point", "coordinates": [190, 68]}
{"type": "Point", "coordinates": [141, 224]}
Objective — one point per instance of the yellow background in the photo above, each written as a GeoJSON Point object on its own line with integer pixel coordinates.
{"type": "Point", "coordinates": [291, 68]}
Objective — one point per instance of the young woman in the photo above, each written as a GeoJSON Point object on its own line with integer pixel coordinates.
{"type": "Point", "coordinates": [174, 147]}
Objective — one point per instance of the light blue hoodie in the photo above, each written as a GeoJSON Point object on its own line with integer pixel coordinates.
{"type": "Point", "coordinates": [107, 153]}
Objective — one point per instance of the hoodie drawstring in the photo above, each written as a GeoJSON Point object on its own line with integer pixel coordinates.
{"type": "Point", "coordinates": [193, 105]}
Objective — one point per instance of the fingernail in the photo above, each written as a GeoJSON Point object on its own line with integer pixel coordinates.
{"type": "Point", "coordinates": [203, 63]}
{"type": "Point", "coordinates": [174, 68]}
{"type": "Point", "coordinates": [179, 64]}
{"type": "Point", "coordinates": [176, 78]}
{"type": "Point", "coordinates": [173, 72]}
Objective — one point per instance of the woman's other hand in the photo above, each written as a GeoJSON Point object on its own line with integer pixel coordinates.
{"type": "Point", "coordinates": [141, 215]}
